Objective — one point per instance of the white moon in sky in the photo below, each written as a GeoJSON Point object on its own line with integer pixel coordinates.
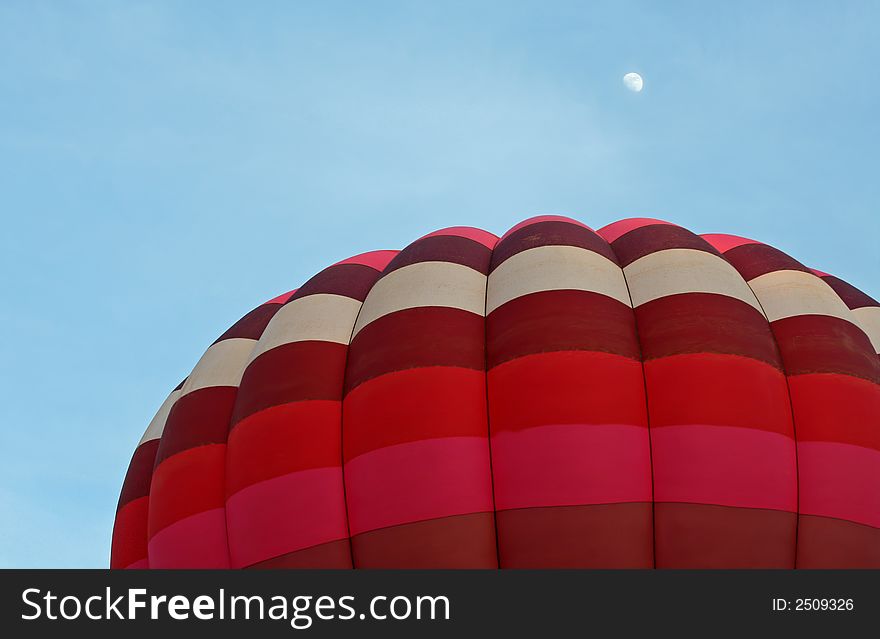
{"type": "Point", "coordinates": [633, 82]}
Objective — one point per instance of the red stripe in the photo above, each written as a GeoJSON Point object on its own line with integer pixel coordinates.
{"type": "Point", "coordinates": [332, 555]}
{"type": "Point", "coordinates": [186, 484]}
{"type": "Point", "coordinates": [836, 408]}
{"type": "Point", "coordinates": [724, 390]}
{"type": "Point", "coordinates": [574, 387]}
{"type": "Point", "coordinates": [408, 406]}
{"type": "Point", "coordinates": [284, 439]}
{"type": "Point", "coordinates": [129, 543]}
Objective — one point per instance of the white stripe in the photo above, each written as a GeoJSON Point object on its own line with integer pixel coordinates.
{"type": "Point", "coordinates": [157, 424]}
{"type": "Point", "coordinates": [320, 317]}
{"type": "Point", "coordinates": [675, 271]}
{"type": "Point", "coordinates": [554, 268]}
{"type": "Point", "coordinates": [790, 293]}
{"type": "Point", "coordinates": [221, 365]}
{"type": "Point", "coordinates": [425, 284]}
{"type": "Point", "coordinates": [868, 317]}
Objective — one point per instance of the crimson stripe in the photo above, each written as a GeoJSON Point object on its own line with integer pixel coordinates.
{"type": "Point", "coordinates": [851, 296]}
{"type": "Point", "coordinates": [414, 338]}
{"type": "Point", "coordinates": [824, 542]}
{"type": "Point", "coordinates": [292, 372]}
{"type": "Point", "coordinates": [348, 280]}
{"type": "Point", "coordinates": [562, 320]}
{"type": "Point", "coordinates": [197, 419]}
{"type": "Point", "coordinates": [657, 237]}
{"type": "Point", "coordinates": [140, 473]}
{"type": "Point", "coordinates": [550, 233]}
{"type": "Point", "coordinates": [825, 344]}
{"type": "Point", "coordinates": [252, 325]}
{"type": "Point", "coordinates": [443, 248]}
{"type": "Point", "coordinates": [704, 323]}
{"type": "Point", "coordinates": [752, 260]}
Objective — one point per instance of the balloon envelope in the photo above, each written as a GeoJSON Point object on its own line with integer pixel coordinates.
{"type": "Point", "coordinates": [640, 396]}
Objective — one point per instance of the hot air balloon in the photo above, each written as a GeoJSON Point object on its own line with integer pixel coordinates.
{"type": "Point", "coordinates": [633, 397]}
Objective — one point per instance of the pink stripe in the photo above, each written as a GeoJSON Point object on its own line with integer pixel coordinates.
{"type": "Point", "coordinates": [374, 259]}
{"type": "Point", "coordinates": [418, 480]}
{"type": "Point", "coordinates": [571, 464]}
{"type": "Point", "coordinates": [281, 299]}
{"type": "Point", "coordinates": [621, 228]}
{"type": "Point", "coordinates": [544, 218]}
{"type": "Point", "coordinates": [477, 235]}
{"type": "Point", "coordinates": [724, 465]}
{"type": "Point", "coordinates": [197, 541]}
{"type": "Point", "coordinates": [819, 273]}
{"type": "Point", "coordinates": [724, 243]}
{"type": "Point", "coordinates": [284, 514]}
{"type": "Point", "coordinates": [840, 480]}
{"type": "Point", "coordinates": [140, 564]}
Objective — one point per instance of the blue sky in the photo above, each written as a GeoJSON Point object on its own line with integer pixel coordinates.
{"type": "Point", "coordinates": [165, 167]}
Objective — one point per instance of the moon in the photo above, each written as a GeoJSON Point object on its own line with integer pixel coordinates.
{"type": "Point", "coordinates": [633, 82]}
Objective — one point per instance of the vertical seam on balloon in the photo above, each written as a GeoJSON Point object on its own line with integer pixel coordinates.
{"type": "Point", "coordinates": [647, 412]}
{"type": "Point", "coordinates": [342, 417]}
{"type": "Point", "coordinates": [488, 418]}
{"type": "Point", "coordinates": [797, 473]}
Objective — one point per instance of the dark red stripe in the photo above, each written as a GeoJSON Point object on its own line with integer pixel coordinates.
{"type": "Point", "coordinates": [348, 280]}
{"type": "Point", "coordinates": [293, 372]}
{"type": "Point", "coordinates": [414, 338]}
{"type": "Point", "coordinates": [824, 542]}
{"type": "Point", "coordinates": [657, 237]}
{"type": "Point", "coordinates": [594, 536]}
{"type": "Point", "coordinates": [710, 536]}
{"type": "Point", "coordinates": [461, 541]}
{"type": "Point", "coordinates": [332, 555]}
{"type": "Point", "coordinates": [825, 344]}
{"type": "Point", "coordinates": [252, 325]}
{"type": "Point", "coordinates": [562, 320]}
{"type": "Point", "coordinates": [551, 233]}
{"type": "Point", "coordinates": [443, 248]}
{"type": "Point", "coordinates": [140, 472]}
{"type": "Point", "coordinates": [704, 323]}
{"type": "Point", "coordinates": [197, 419]}
{"type": "Point", "coordinates": [752, 260]}
{"type": "Point", "coordinates": [851, 296]}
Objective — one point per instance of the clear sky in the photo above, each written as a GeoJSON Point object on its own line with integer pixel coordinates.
{"type": "Point", "coordinates": [165, 167]}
